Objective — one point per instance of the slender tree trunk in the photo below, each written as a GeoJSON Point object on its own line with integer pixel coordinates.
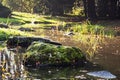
{"type": "Point", "coordinates": [85, 7]}
{"type": "Point", "coordinates": [89, 6]}
{"type": "Point", "coordinates": [112, 9]}
{"type": "Point", "coordinates": [102, 9]}
{"type": "Point", "coordinates": [118, 8]}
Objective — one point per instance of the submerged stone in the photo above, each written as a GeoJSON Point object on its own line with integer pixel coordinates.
{"type": "Point", "coordinates": [102, 74]}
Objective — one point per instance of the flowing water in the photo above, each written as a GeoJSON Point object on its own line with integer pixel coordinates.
{"type": "Point", "coordinates": [107, 58]}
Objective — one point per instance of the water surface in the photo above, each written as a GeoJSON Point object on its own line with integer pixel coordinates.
{"type": "Point", "coordinates": [107, 58]}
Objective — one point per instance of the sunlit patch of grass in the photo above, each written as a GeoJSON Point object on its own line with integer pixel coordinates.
{"type": "Point", "coordinates": [27, 17]}
{"type": "Point", "coordinates": [37, 26]}
{"type": "Point", "coordinates": [6, 33]}
{"type": "Point", "coordinates": [11, 21]}
{"type": "Point", "coordinates": [21, 18]}
{"type": "Point", "coordinates": [89, 29]}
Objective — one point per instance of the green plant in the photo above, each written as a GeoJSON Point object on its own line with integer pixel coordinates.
{"type": "Point", "coordinates": [90, 36]}
{"type": "Point", "coordinates": [87, 28]}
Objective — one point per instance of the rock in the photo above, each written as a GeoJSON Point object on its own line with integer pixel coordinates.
{"type": "Point", "coordinates": [69, 34]}
{"type": "Point", "coordinates": [53, 55]}
{"type": "Point", "coordinates": [26, 29]}
{"type": "Point", "coordinates": [4, 11]}
{"type": "Point", "coordinates": [81, 77]}
{"type": "Point", "coordinates": [102, 74]}
{"type": "Point", "coordinates": [26, 41]}
{"type": "Point", "coordinates": [3, 25]}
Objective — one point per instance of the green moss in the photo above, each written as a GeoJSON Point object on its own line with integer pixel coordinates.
{"type": "Point", "coordinates": [48, 53]}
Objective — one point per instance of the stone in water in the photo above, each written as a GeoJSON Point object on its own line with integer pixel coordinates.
{"type": "Point", "coordinates": [102, 74]}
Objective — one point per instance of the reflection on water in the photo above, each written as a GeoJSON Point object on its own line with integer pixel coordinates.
{"type": "Point", "coordinates": [58, 73]}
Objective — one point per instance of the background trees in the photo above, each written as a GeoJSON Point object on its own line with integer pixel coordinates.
{"type": "Point", "coordinates": [93, 8]}
{"type": "Point", "coordinates": [20, 5]}
{"type": "Point", "coordinates": [102, 9]}
{"type": "Point", "coordinates": [55, 7]}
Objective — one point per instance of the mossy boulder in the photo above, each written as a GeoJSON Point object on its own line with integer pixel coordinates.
{"type": "Point", "coordinates": [4, 11]}
{"type": "Point", "coordinates": [39, 53]}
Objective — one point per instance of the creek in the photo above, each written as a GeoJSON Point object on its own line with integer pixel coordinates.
{"type": "Point", "coordinates": [106, 58]}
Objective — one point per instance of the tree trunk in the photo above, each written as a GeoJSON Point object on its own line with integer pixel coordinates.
{"type": "Point", "coordinates": [85, 7]}
{"type": "Point", "coordinates": [102, 8]}
{"type": "Point", "coordinates": [118, 8]}
{"type": "Point", "coordinates": [89, 6]}
{"type": "Point", "coordinates": [112, 9]}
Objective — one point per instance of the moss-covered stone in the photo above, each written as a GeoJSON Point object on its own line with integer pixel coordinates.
{"type": "Point", "coordinates": [44, 53]}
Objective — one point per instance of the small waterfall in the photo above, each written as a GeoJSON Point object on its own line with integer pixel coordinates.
{"type": "Point", "coordinates": [11, 65]}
